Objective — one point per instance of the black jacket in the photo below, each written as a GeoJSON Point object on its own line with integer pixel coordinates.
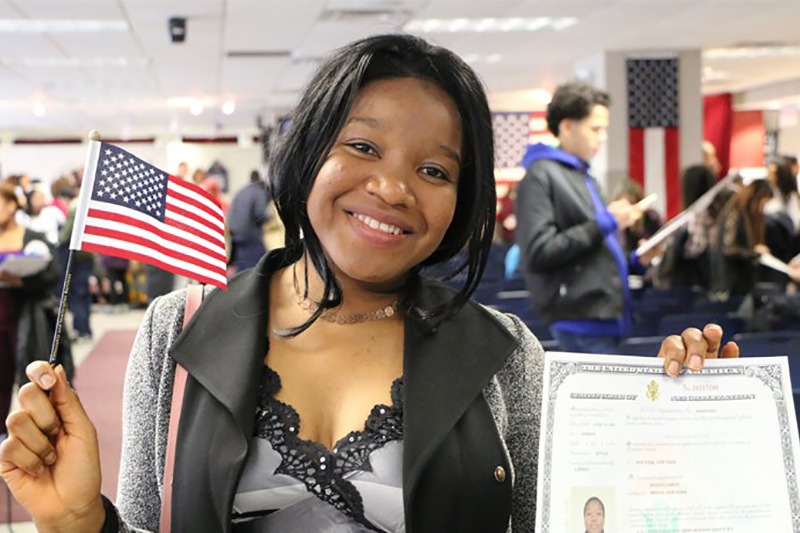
{"type": "Point", "coordinates": [570, 272]}
{"type": "Point", "coordinates": [471, 404]}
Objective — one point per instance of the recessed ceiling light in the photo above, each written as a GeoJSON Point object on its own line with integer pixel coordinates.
{"type": "Point", "coordinates": [462, 25]}
{"type": "Point", "coordinates": [229, 107]}
{"type": "Point", "coordinates": [61, 26]}
{"type": "Point", "coordinates": [196, 108]}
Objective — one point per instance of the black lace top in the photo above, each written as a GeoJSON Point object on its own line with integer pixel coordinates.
{"type": "Point", "coordinates": [329, 475]}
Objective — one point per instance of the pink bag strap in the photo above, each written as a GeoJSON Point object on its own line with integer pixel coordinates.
{"type": "Point", "coordinates": [194, 297]}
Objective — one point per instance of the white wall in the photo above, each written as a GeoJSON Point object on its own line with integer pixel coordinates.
{"type": "Point", "coordinates": [49, 161]}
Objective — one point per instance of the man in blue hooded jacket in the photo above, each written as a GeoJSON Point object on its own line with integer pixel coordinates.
{"type": "Point", "coordinates": [572, 260]}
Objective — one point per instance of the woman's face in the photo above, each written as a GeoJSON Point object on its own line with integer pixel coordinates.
{"type": "Point", "coordinates": [386, 194]}
{"type": "Point", "coordinates": [7, 211]}
{"type": "Point", "coordinates": [594, 517]}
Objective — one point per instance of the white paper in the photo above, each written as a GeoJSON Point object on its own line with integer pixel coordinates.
{"type": "Point", "coordinates": [715, 450]}
{"type": "Point", "coordinates": [668, 229]}
{"type": "Point", "coordinates": [769, 260]}
{"type": "Point", "coordinates": [22, 266]}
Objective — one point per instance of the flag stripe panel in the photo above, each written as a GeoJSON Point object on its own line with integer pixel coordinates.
{"type": "Point", "coordinates": [165, 259]}
{"type": "Point", "coordinates": [214, 244]}
{"type": "Point", "coordinates": [124, 224]}
{"type": "Point", "coordinates": [636, 155]}
{"type": "Point", "coordinates": [196, 192]}
{"type": "Point", "coordinates": [173, 202]}
{"type": "Point", "coordinates": [654, 167]}
{"type": "Point", "coordinates": [107, 249]}
{"type": "Point", "coordinates": [128, 238]}
{"type": "Point", "coordinates": [191, 220]}
{"type": "Point", "coordinates": [673, 170]}
{"type": "Point", "coordinates": [188, 202]}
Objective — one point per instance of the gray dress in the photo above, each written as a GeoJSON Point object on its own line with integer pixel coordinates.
{"type": "Point", "coordinates": [291, 485]}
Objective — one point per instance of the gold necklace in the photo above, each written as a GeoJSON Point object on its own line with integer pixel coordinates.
{"type": "Point", "coordinates": [333, 316]}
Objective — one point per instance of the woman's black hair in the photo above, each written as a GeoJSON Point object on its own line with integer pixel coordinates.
{"type": "Point", "coordinates": [594, 499]}
{"type": "Point", "coordinates": [785, 181]}
{"type": "Point", "coordinates": [317, 122]}
{"type": "Point", "coordinates": [696, 181]}
{"type": "Point", "coordinates": [574, 100]}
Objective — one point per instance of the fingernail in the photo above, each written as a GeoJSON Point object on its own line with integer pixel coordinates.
{"type": "Point", "coordinates": [46, 380]}
{"type": "Point", "coordinates": [51, 458]}
{"type": "Point", "coordinates": [673, 368]}
{"type": "Point", "coordinates": [695, 362]}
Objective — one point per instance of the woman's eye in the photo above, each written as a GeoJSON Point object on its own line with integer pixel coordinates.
{"type": "Point", "coordinates": [436, 172]}
{"type": "Point", "coordinates": [363, 147]}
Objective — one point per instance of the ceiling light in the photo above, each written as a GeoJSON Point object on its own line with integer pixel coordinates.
{"type": "Point", "coordinates": [478, 58]}
{"type": "Point", "coordinates": [229, 107]}
{"type": "Point", "coordinates": [39, 110]}
{"type": "Point", "coordinates": [751, 52]}
{"type": "Point", "coordinates": [75, 62]}
{"type": "Point", "coordinates": [196, 108]}
{"type": "Point", "coordinates": [61, 26]}
{"type": "Point", "coordinates": [462, 25]}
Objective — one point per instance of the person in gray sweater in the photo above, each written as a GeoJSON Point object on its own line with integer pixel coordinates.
{"type": "Point", "coordinates": [331, 388]}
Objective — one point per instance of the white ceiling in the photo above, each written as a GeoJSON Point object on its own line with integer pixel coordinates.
{"type": "Point", "coordinates": [151, 95]}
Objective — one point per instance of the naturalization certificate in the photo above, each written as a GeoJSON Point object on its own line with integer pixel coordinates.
{"type": "Point", "coordinates": [626, 448]}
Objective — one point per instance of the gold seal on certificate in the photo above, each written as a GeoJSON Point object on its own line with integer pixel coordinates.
{"type": "Point", "coordinates": [625, 448]}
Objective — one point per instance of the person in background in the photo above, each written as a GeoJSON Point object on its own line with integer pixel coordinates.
{"type": "Point", "coordinates": [710, 159]}
{"type": "Point", "coordinates": [506, 219]}
{"type": "Point", "coordinates": [571, 257]}
{"type": "Point", "coordinates": [63, 191]}
{"type": "Point", "coordinates": [246, 219]}
{"type": "Point", "coordinates": [183, 171]}
{"type": "Point", "coordinates": [44, 218]}
{"type": "Point", "coordinates": [198, 176]}
{"type": "Point", "coordinates": [645, 227]}
{"type": "Point", "coordinates": [80, 298]}
{"type": "Point", "coordinates": [740, 241]}
{"type": "Point", "coordinates": [686, 261]}
{"type": "Point", "coordinates": [18, 299]}
{"type": "Point", "coordinates": [115, 282]}
{"type": "Point", "coordinates": [213, 187]}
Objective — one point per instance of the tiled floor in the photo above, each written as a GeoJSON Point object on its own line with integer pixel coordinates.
{"type": "Point", "coordinates": [102, 321]}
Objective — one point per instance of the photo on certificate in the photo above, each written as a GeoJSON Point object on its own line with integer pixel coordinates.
{"type": "Point", "coordinates": [593, 509]}
{"type": "Point", "coordinates": [624, 447]}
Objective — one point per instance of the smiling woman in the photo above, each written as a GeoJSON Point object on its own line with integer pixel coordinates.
{"type": "Point", "coordinates": [408, 408]}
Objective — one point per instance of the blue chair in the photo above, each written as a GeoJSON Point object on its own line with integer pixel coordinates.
{"type": "Point", "coordinates": [675, 324]}
{"type": "Point", "coordinates": [773, 343]}
{"type": "Point", "coordinates": [647, 346]}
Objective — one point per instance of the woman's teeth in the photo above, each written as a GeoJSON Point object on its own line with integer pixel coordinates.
{"type": "Point", "coordinates": [374, 224]}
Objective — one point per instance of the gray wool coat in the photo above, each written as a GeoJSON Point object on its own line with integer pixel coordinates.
{"type": "Point", "coordinates": [472, 405]}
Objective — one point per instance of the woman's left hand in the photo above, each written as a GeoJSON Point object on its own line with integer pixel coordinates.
{"type": "Point", "coordinates": [692, 347]}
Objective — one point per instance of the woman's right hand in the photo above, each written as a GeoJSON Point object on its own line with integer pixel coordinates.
{"type": "Point", "coordinates": [50, 460]}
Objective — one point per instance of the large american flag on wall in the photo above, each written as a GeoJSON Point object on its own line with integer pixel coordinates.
{"type": "Point", "coordinates": [129, 208]}
{"type": "Point", "coordinates": [513, 132]}
{"type": "Point", "coordinates": [654, 134]}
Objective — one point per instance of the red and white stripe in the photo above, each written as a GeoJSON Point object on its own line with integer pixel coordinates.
{"type": "Point", "coordinates": [190, 242]}
{"type": "Point", "coordinates": [654, 162]}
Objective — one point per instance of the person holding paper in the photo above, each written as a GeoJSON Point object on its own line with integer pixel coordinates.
{"type": "Point", "coordinates": [331, 387]}
{"type": "Point", "coordinates": [571, 257]}
{"type": "Point", "coordinates": [740, 240]}
{"type": "Point", "coordinates": [18, 296]}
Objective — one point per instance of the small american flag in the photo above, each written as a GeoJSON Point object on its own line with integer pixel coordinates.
{"type": "Point", "coordinates": [129, 208]}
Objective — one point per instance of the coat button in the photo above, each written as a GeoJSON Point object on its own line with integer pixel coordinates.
{"type": "Point", "coordinates": [500, 474]}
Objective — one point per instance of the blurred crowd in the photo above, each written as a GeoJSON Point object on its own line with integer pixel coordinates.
{"type": "Point", "coordinates": [36, 220]}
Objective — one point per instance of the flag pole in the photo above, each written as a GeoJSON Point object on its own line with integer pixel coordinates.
{"type": "Point", "coordinates": [94, 135]}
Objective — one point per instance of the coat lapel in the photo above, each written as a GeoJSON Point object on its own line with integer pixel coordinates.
{"type": "Point", "coordinates": [445, 370]}
{"type": "Point", "coordinates": [222, 349]}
